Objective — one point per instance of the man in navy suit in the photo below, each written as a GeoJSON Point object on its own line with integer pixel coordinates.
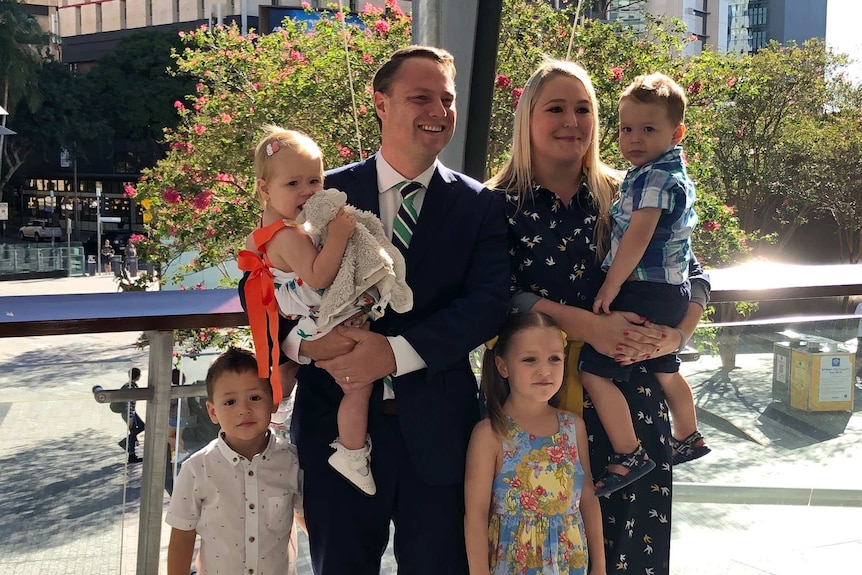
{"type": "Point", "coordinates": [458, 269]}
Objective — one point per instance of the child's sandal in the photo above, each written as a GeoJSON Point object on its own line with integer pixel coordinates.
{"type": "Point", "coordinates": [637, 464]}
{"type": "Point", "coordinates": [686, 450]}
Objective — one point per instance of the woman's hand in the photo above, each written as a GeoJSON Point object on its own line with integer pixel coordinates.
{"type": "Point", "coordinates": [625, 337]}
{"type": "Point", "coordinates": [670, 342]}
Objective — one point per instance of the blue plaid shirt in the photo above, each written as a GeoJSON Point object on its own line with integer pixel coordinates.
{"type": "Point", "coordinates": [662, 183]}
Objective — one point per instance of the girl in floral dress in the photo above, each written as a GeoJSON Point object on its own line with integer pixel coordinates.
{"type": "Point", "coordinates": [530, 506]}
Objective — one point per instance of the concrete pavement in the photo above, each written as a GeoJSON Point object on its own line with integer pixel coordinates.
{"type": "Point", "coordinates": [69, 503]}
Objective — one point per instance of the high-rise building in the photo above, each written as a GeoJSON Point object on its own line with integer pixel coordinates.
{"type": "Point", "coordinates": [91, 28]}
{"type": "Point", "coordinates": [752, 24]}
{"type": "Point", "coordinates": [705, 19]}
{"type": "Point", "coordinates": [740, 26]}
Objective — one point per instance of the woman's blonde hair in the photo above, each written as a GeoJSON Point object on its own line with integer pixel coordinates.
{"type": "Point", "coordinates": [516, 175]}
{"type": "Point", "coordinates": [275, 139]}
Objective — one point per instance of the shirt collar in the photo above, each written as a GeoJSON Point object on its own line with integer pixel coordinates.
{"type": "Point", "coordinates": [388, 177]}
{"type": "Point", "coordinates": [234, 458]}
{"type": "Point", "coordinates": [672, 155]}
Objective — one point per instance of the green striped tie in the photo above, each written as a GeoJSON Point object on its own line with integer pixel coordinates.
{"type": "Point", "coordinates": [405, 220]}
{"type": "Point", "coordinates": [402, 233]}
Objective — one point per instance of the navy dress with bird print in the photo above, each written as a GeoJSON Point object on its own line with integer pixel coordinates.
{"type": "Point", "coordinates": [553, 255]}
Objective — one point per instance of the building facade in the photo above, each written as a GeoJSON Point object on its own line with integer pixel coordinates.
{"type": "Point", "coordinates": [704, 19]}
{"type": "Point", "coordinates": [86, 31]}
{"type": "Point", "coordinates": [735, 26]}
{"type": "Point", "coordinates": [752, 24]}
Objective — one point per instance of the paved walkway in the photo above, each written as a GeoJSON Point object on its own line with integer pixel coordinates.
{"type": "Point", "coordinates": [69, 504]}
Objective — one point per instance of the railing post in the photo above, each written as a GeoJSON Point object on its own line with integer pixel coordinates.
{"type": "Point", "coordinates": [155, 447]}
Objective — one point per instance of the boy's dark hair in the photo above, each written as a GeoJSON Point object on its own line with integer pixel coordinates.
{"type": "Point", "coordinates": [658, 89]}
{"type": "Point", "coordinates": [385, 75]}
{"type": "Point", "coordinates": [135, 374]}
{"type": "Point", "coordinates": [234, 360]}
{"type": "Point", "coordinates": [496, 388]}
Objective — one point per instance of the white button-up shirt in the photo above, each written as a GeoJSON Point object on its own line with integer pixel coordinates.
{"type": "Point", "coordinates": [242, 510]}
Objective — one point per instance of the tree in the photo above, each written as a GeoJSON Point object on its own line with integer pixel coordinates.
{"type": "Point", "coordinates": [23, 47]}
{"type": "Point", "coordinates": [832, 166]}
{"type": "Point", "coordinates": [133, 89]}
{"type": "Point", "coordinates": [752, 108]}
{"type": "Point", "coordinates": [63, 117]}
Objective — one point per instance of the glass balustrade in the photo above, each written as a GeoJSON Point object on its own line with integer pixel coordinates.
{"type": "Point", "coordinates": [778, 494]}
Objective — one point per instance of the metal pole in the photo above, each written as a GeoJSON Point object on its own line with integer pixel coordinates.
{"type": "Point", "coordinates": [76, 208]}
{"type": "Point", "coordinates": [98, 229]}
{"type": "Point", "coordinates": [68, 246]}
{"type": "Point", "coordinates": [488, 17]}
{"type": "Point", "coordinates": [244, 17]}
{"type": "Point", "coordinates": [155, 446]}
{"type": "Point", "coordinates": [428, 22]}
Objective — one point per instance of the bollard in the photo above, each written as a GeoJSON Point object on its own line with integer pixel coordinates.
{"type": "Point", "coordinates": [117, 266]}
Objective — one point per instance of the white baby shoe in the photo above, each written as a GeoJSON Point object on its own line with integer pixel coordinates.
{"type": "Point", "coordinates": [354, 465]}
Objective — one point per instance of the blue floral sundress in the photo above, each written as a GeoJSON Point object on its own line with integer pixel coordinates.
{"type": "Point", "coordinates": [536, 526]}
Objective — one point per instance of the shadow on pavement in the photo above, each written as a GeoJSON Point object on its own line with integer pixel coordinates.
{"type": "Point", "coordinates": [68, 487]}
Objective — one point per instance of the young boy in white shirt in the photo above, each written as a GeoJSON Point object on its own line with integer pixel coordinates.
{"type": "Point", "coordinates": [241, 491]}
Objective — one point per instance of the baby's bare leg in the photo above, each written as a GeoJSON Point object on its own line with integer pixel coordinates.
{"type": "Point", "coordinates": [613, 411]}
{"type": "Point", "coordinates": [356, 320]}
{"type": "Point", "coordinates": [353, 417]}
{"type": "Point", "coordinates": [681, 403]}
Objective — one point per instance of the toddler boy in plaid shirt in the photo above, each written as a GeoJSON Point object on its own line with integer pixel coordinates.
{"type": "Point", "coordinates": [647, 272]}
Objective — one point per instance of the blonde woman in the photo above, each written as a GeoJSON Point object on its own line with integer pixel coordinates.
{"type": "Point", "coordinates": [559, 194]}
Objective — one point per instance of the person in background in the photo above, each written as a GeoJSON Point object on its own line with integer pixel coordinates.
{"type": "Point", "coordinates": [107, 254]}
{"type": "Point", "coordinates": [132, 419]}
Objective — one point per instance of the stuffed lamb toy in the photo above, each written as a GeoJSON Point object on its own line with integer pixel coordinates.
{"type": "Point", "coordinates": [370, 259]}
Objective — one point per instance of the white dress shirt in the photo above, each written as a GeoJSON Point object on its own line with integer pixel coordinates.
{"type": "Point", "coordinates": [407, 360]}
{"type": "Point", "coordinates": [242, 510]}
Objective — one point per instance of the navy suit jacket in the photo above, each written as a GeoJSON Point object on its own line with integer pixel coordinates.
{"type": "Point", "coordinates": [458, 269]}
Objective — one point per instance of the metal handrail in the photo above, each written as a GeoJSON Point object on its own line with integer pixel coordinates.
{"type": "Point", "coordinates": [159, 313]}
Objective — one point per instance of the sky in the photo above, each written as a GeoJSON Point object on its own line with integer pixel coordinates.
{"type": "Point", "coordinates": [842, 31]}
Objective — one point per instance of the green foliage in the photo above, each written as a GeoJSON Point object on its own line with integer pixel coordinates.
{"type": "Point", "coordinates": [132, 89]}
{"type": "Point", "coordinates": [63, 117]}
{"type": "Point", "coordinates": [23, 48]}
{"type": "Point", "coordinates": [748, 108]}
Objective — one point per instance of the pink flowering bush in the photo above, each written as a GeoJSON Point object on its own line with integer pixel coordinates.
{"type": "Point", "coordinates": [201, 195]}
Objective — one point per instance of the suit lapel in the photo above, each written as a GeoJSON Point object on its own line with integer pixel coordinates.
{"type": "Point", "coordinates": [363, 192]}
{"type": "Point", "coordinates": [440, 197]}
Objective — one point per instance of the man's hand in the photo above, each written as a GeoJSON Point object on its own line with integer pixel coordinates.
{"type": "Point", "coordinates": [370, 359]}
{"type": "Point", "coordinates": [329, 346]}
